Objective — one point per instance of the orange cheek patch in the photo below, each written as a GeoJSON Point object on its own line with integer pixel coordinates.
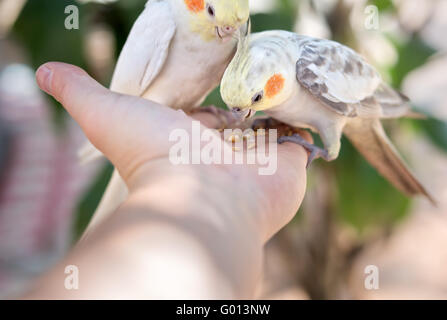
{"type": "Point", "coordinates": [274, 85]}
{"type": "Point", "coordinates": [195, 5]}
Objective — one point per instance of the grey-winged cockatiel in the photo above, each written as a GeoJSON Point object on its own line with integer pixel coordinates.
{"type": "Point", "coordinates": [323, 86]}
{"type": "Point", "coordinates": [176, 53]}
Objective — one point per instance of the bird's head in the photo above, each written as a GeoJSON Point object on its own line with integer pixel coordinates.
{"type": "Point", "coordinates": [257, 79]}
{"type": "Point", "coordinates": [219, 19]}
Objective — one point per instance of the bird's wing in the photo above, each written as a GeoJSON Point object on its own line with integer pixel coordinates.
{"type": "Point", "coordinates": [339, 77]}
{"type": "Point", "coordinates": [146, 49]}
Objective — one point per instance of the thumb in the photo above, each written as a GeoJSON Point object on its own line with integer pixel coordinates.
{"type": "Point", "coordinates": [84, 98]}
{"type": "Point", "coordinates": [122, 127]}
{"type": "Point", "coordinates": [72, 87]}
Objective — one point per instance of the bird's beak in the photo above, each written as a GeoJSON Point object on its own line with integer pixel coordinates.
{"type": "Point", "coordinates": [243, 114]}
{"type": "Point", "coordinates": [225, 33]}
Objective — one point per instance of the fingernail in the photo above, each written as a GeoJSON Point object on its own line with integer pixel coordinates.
{"type": "Point", "coordinates": [44, 75]}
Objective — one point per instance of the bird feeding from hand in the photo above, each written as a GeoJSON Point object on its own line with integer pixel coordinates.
{"type": "Point", "coordinates": [323, 86]}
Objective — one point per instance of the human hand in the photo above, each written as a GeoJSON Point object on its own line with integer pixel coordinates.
{"type": "Point", "coordinates": [231, 209]}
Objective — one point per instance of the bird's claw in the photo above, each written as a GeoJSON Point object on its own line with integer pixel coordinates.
{"type": "Point", "coordinates": [315, 152]}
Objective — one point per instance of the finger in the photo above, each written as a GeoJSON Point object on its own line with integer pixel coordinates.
{"type": "Point", "coordinates": [73, 88]}
{"type": "Point", "coordinates": [120, 126]}
{"type": "Point", "coordinates": [89, 103]}
{"type": "Point", "coordinates": [207, 119]}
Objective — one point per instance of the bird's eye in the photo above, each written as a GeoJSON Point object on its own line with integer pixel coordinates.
{"type": "Point", "coordinates": [211, 11]}
{"type": "Point", "coordinates": [258, 97]}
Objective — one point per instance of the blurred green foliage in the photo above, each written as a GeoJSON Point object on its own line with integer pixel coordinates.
{"type": "Point", "coordinates": [44, 17]}
{"type": "Point", "coordinates": [363, 198]}
{"type": "Point", "coordinates": [40, 29]}
{"type": "Point", "coordinates": [88, 204]}
{"type": "Point", "coordinates": [383, 5]}
{"type": "Point", "coordinates": [412, 54]}
{"type": "Point", "coordinates": [436, 130]}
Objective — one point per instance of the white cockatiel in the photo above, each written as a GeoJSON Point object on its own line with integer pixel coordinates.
{"type": "Point", "coordinates": [323, 86]}
{"type": "Point", "coordinates": [176, 53]}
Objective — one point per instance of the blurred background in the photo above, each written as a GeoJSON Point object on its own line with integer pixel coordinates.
{"type": "Point", "coordinates": [351, 217]}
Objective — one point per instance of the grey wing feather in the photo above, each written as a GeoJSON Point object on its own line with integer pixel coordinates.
{"type": "Point", "coordinates": [344, 81]}
{"type": "Point", "coordinates": [394, 104]}
{"type": "Point", "coordinates": [146, 49]}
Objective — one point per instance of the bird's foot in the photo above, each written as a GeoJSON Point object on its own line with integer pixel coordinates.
{"type": "Point", "coordinates": [315, 152]}
{"type": "Point", "coordinates": [281, 128]}
{"type": "Point", "coordinates": [265, 123]}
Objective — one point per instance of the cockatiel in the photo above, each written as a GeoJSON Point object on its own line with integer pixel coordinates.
{"type": "Point", "coordinates": [323, 86]}
{"type": "Point", "coordinates": [176, 53]}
